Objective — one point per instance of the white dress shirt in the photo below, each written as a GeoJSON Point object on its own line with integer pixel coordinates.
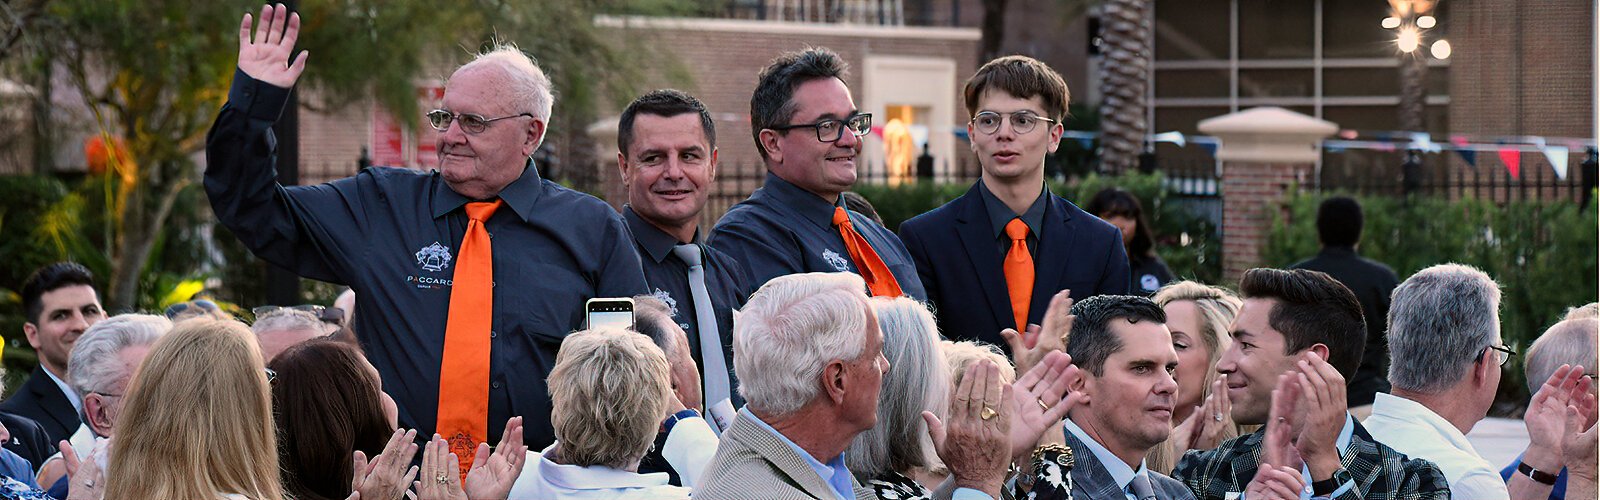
{"type": "Point", "coordinates": [688, 449]}
{"type": "Point", "coordinates": [1413, 429]}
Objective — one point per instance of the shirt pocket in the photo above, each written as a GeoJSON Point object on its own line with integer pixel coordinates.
{"type": "Point", "coordinates": [543, 301]}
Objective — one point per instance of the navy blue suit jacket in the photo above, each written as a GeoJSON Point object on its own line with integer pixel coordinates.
{"type": "Point", "coordinates": [960, 264]}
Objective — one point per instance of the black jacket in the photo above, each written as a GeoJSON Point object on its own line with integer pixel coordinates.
{"type": "Point", "coordinates": [41, 400]}
{"type": "Point", "coordinates": [1372, 282]}
{"type": "Point", "coordinates": [28, 439]}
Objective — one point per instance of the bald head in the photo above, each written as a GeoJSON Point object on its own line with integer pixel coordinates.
{"type": "Point", "coordinates": [1570, 342]}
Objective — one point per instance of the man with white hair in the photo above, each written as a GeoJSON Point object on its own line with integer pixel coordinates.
{"type": "Point", "coordinates": [102, 363]}
{"type": "Point", "coordinates": [1571, 342]}
{"type": "Point", "coordinates": [1444, 334]}
{"type": "Point", "coordinates": [423, 249]}
{"type": "Point", "coordinates": [282, 328]}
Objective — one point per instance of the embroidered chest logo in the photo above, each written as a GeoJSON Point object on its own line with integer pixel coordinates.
{"type": "Point", "coordinates": [837, 261]}
{"type": "Point", "coordinates": [666, 298]}
{"type": "Point", "coordinates": [434, 257]}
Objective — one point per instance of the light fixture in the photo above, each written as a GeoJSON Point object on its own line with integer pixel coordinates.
{"type": "Point", "coordinates": [1426, 22]}
{"type": "Point", "coordinates": [1408, 40]}
{"type": "Point", "coordinates": [1440, 49]}
{"type": "Point", "coordinates": [1391, 22]}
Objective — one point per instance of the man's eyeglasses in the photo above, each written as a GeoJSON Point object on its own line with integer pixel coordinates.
{"type": "Point", "coordinates": [331, 315]}
{"type": "Point", "coordinates": [199, 307]}
{"type": "Point", "coordinates": [1502, 352]}
{"type": "Point", "coordinates": [831, 130]}
{"type": "Point", "coordinates": [470, 123]}
{"type": "Point", "coordinates": [1022, 122]}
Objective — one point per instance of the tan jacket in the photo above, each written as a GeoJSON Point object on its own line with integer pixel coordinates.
{"type": "Point", "coordinates": [752, 463]}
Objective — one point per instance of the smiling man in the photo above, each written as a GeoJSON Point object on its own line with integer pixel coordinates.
{"type": "Point", "coordinates": [60, 303]}
{"type": "Point", "coordinates": [1308, 328]}
{"type": "Point", "coordinates": [667, 150]}
{"type": "Point", "coordinates": [424, 250]}
{"type": "Point", "coordinates": [808, 131]}
{"type": "Point", "coordinates": [1124, 350]}
{"type": "Point", "coordinates": [992, 258]}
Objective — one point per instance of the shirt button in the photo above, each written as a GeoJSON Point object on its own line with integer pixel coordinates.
{"type": "Point", "coordinates": [495, 385]}
{"type": "Point", "coordinates": [493, 334]}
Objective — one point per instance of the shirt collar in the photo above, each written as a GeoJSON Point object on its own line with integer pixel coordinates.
{"type": "Point", "coordinates": [594, 477]}
{"type": "Point", "coordinates": [520, 195]}
{"type": "Point", "coordinates": [1393, 410]}
{"type": "Point", "coordinates": [657, 243]}
{"type": "Point", "coordinates": [1339, 250]}
{"type": "Point", "coordinates": [832, 472]}
{"type": "Point", "coordinates": [1119, 470]}
{"type": "Point", "coordinates": [1000, 214]}
{"type": "Point", "coordinates": [72, 395]}
{"type": "Point", "coordinates": [805, 203]}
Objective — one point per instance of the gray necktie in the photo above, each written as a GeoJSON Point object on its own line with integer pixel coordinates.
{"type": "Point", "coordinates": [1140, 488]}
{"type": "Point", "coordinates": [714, 373]}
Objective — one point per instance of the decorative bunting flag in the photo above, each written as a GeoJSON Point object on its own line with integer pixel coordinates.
{"type": "Point", "coordinates": [1468, 155]}
{"type": "Point", "coordinates": [1513, 160]}
{"type": "Point", "coordinates": [1210, 147]}
{"type": "Point", "coordinates": [1558, 160]}
{"type": "Point", "coordinates": [1172, 137]}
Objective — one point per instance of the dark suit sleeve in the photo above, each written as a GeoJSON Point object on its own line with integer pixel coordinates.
{"type": "Point", "coordinates": [28, 439]}
{"type": "Point", "coordinates": [762, 256]}
{"type": "Point", "coordinates": [912, 238]}
{"type": "Point", "coordinates": [313, 231]}
{"type": "Point", "coordinates": [621, 273]}
{"type": "Point", "coordinates": [1115, 280]}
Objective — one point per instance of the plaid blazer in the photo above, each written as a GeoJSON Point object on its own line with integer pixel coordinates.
{"type": "Point", "coordinates": [1379, 472]}
{"type": "Point", "coordinates": [753, 463]}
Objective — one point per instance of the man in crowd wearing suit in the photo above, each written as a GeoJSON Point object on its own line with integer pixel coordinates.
{"type": "Point", "coordinates": [60, 303]}
{"type": "Point", "coordinates": [808, 131]}
{"type": "Point", "coordinates": [1124, 351]}
{"type": "Point", "coordinates": [1307, 329]}
{"type": "Point", "coordinates": [667, 151]}
{"type": "Point", "coordinates": [992, 258]}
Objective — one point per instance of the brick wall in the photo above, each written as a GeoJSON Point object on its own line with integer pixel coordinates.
{"type": "Point", "coordinates": [1250, 194]}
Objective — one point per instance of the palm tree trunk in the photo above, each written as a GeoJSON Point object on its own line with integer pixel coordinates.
{"type": "Point", "coordinates": [1125, 68]}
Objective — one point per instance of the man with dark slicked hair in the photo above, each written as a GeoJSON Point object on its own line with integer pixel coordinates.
{"type": "Point", "coordinates": [1301, 333]}
{"type": "Point", "coordinates": [60, 303]}
{"type": "Point", "coordinates": [808, 131]}
{"type": "Point", "coordinates": [1339, 224]}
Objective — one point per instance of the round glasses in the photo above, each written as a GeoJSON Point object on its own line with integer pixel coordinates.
{"type": "Point", "coordinates": [831, 130]}
{"type": "Point", "coordinates": [470, 123]}
{"type": "Point", "coordinates": [1022, 122]}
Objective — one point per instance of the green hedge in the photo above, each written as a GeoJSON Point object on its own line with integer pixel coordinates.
{"type": "Point", "coordinates": [1542, 254]}
{"type": "Point", "coordinates": [1188, 243]}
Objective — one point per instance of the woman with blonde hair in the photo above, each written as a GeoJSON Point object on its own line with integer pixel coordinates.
{"type": "Point", "coordinates": [197, 423]}
{"type": "Point", "coordinates": [1198, 316]}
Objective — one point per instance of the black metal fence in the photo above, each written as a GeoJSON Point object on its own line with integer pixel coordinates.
{"type": "Point", "coordinates": [1403, 173]}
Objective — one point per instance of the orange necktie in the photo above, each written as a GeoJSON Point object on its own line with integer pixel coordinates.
{"type": "Point", "coordinates": [1019, 271]}
{"type": "Point", "coordinates": [872, 269]}
{"type": "Point", "coordinates": [464, 371]}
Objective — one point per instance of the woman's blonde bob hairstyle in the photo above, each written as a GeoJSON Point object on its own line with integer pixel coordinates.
{"type": "Point", "coordinates": [197, 422]}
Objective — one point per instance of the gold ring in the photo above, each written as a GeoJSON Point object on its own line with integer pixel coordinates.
{"type": "Point", "coordinates": [987, 413]}
{"type": "Point", "coordinates": [1043, 406]}
{"type": "Point", "coordinates": [442, 478]}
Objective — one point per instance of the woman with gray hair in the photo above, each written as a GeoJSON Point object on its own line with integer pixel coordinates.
{"type": "Point", "coordinates": [609, 391]}
{"type": "Point", "coordinates": [895, 458]}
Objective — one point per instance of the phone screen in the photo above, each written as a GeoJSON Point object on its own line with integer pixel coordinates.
{"type": "Point", "coordinates": [610, 313]}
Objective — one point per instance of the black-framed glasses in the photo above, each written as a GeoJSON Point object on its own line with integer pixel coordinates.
{"type": "Point", "coordinates": [470, 123]}
{"type": "Point", "coordinates": [330, 315]}
{"type": "Point", "coordinates": [1502, 352]}
{"type": "Point", "coordinates": [1022, 122]}
{"type": "Point", "coordinates": [831, 130]}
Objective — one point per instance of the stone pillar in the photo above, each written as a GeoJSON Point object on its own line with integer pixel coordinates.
{"type": "Point", "coordinates": [604, 132]}
{"type": "Point", "coordinates": [1265, 152]}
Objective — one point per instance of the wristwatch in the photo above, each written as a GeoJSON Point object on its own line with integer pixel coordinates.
{"type": "Point", "coordinates": [666, 426]}
{"type": "Point", "coordinates": [1536, 474]}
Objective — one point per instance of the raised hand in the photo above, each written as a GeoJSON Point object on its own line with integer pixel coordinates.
{"type": "Point", "coordinates": [1277, 446]}
{"type": "Point", "coordinates": [1038, 405]}
{"type": "Point", "coordinates": [87, 481]}
{"type": "Point", "coordinates": [1322, 397]}
{"type": "Point", "coordinates": [976, 444]}
{"type": "Point", "coordinates": [1578, 446]}
{"type": "Point", "coordinates": [386, 476]}
{"type": "Point", "coordinates": [1208, 423]}
{"type": "Point", "coordinates": [1546, 418]}
{"type": "Point", "coordinates": [441, 473]}
{"type": "Point", "coordinates": [265, 54]}
{"type": "Point", "coordinates": [491, 478]}
{"type": "Point", "coordinates": [1030, 346]}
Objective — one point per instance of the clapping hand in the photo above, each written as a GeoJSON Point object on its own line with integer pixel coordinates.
{"type": "Point", "coordinates": [265, 55]}
{"type": "Point", "coordinates": [975, 444]}
{"type": "Point", "coordinates": [1204, 428]}
{"type": "Point", "coordinates": [1322, 402]}
{"type": "Point", "coordinates": [492, 475]}
{"type": "Point", "coordinates": [1039, 405]}
{"type": "Point", "coordinates": [386, 476]}
{"type": "Point", "coordinates": [1030, 346]}
{"type": "Point", "coordinates": [1546, 416]}
{"type": "Point", "coordinates": [441, 473]}
{"type": "Point", "coordinates": [87, 481]}
{"type": "Point", "coordinates": [1277, 447]}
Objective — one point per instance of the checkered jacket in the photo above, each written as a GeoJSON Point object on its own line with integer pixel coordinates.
{"type": "Point", "coordinates": [1380, 473]}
